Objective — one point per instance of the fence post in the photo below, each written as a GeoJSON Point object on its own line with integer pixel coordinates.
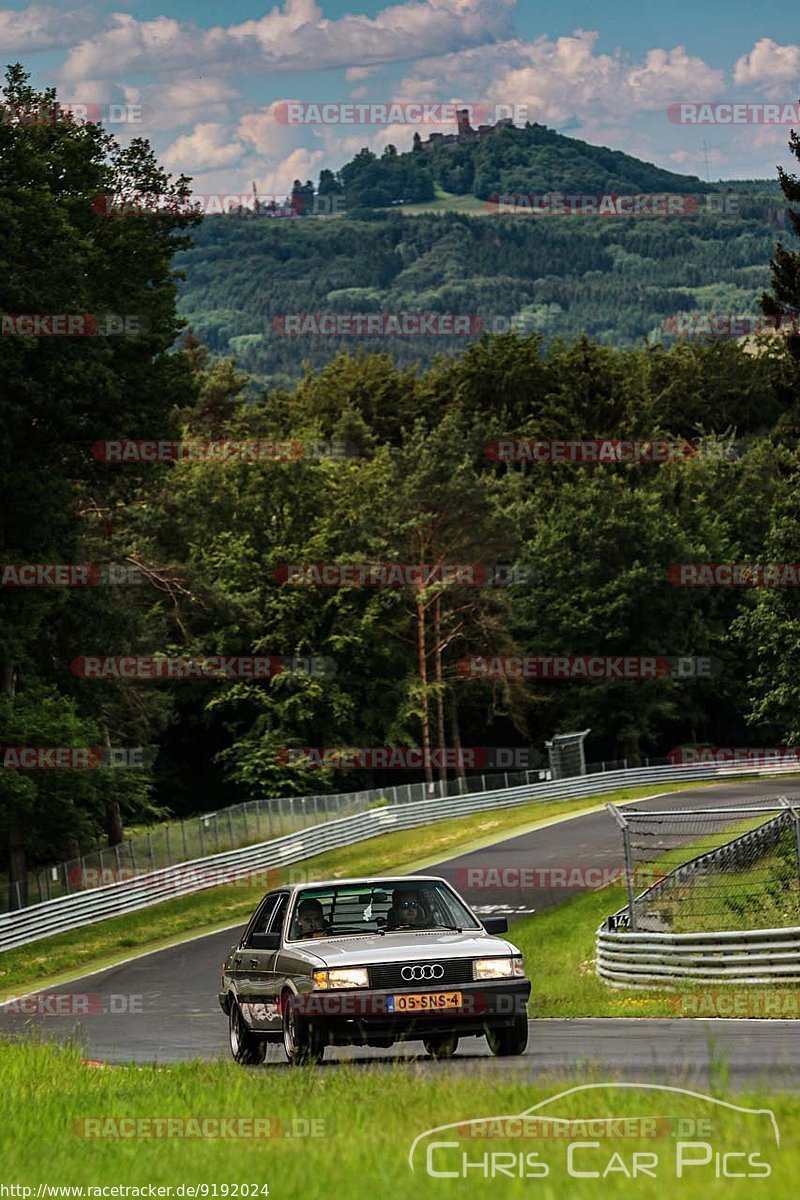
{"type": "Point", "coordinates": [169, 847]}
{"type": "Point", "coordinates": [244, 821]}
{"type": "Point", "coordinates": [796, 820]}
{"type": "Point", "coordinates": [230, 828]}
{"type": "Point", "coordinates": [150, 850]}
{"type": "Point", "coordinates": [183, 841]}
{"type": "Point", "coordinates": [626, 849]}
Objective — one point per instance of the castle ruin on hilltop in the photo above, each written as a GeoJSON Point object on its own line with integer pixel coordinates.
{"type": "Point", "coordinates": [465, 131]}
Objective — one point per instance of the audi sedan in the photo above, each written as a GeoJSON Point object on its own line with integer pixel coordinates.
{"type": "Point", "coordinates": [370, 962]}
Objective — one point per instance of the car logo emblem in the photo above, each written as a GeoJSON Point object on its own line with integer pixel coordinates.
{"type": "Point", "coordinates": [423, 971]}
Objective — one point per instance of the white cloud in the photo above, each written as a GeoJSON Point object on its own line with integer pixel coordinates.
{"type": "Point", "coordinates": [209, 145]}
{"type": "Point", "coordinates": [565, 79]}
{"type": "Point", "coordinates": [37, 27]}
{"type": "Point", "coordinates": [771, 69]}
{"type": "Point", "coordinates": [294, 37]}
{"type": "Point", "coordinates": [353, 74]}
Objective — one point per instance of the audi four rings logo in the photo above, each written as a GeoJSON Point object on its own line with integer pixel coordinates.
{"type": "Point", "coordinates": [425, 971]}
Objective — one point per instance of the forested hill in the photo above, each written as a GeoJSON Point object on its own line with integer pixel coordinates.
{"type": "Point", "coordinates": [537, 159]}
{"type": "Point", "coordinates": [619, 279]}
{"type": "Point", "coordinates": [500, 159]}
{"type": "Point", "coordinates": [419, 234]}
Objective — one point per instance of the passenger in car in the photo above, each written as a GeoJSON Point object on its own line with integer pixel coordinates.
{"type": "Point", "coordinates": [310, 919]}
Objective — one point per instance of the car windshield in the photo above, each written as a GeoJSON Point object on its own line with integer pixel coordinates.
{"type": "Point", "coordinates": [377, 907]}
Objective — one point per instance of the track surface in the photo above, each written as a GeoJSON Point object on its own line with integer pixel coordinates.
{"type": "Point", "coordinates": [163, 1008]}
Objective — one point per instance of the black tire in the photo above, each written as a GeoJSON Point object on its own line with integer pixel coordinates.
{"type": "Point", "coordinates": [303, 1041]}
{"type": "Point", "coordinates": [441, 1045]}
{"type": "Point", "coordinates": [245, 1047]}
{"type": "Point", "coordinates": [507, 1040]}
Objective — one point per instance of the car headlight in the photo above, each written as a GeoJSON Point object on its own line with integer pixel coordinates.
{"type": "Point", "coordinates": [344, 977]}
{"type": "Point", "coordinates": [499, 968]}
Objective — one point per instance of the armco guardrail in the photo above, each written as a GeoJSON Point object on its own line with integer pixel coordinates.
{"type": "Point", "coordinates": [652, 958]}
{"type": "Point", "coordinates": [664, 959]}
{"type": "Point", "coordinates": [85, 908]}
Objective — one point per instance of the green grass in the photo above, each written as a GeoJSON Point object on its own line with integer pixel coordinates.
{"type": "Point", "coordinates": [763, 896]}
{"type": "Point", "coordinates": [443, 202]}
{"type": "Point", "coordinates": [559, 950]}
{"type": "Point", "coordinates": [92, 947]}
{"type": "Point", "coordinates": [366, 1122]}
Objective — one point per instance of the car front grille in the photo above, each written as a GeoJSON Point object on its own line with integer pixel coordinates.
{"type": "Point", "coordinates": [389, 975]}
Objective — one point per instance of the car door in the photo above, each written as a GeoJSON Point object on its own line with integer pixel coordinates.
{"type": "Point", "coordinates": [258, 952]}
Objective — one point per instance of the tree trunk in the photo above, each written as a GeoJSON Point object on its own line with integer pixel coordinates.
{"type": "Point", "coordinates": [113, 817]}
{"type": "Point", "coordinates": [422, 662]}
{"type": "Point", "coordinates": [17, 861]}
{"type": "Point", "coordinates": [437, 634]}
{"type": "Point", "coordinates": [456, 734]}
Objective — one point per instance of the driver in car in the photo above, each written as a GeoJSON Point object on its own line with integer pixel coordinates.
{"type": "Point", "coordinates": [310, 919]}
{"type": "Point", "coordinates": [407, 911]}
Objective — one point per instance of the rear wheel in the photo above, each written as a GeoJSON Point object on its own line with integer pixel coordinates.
{"type": "Point", "coordinates": [245, 1048]}
{"type": "Point", "coordinates": [441, 1045]}
{"type": "Point", "coordinates": [303, 1041]}
{"type": "Point", "coordinates": [505, 1040]}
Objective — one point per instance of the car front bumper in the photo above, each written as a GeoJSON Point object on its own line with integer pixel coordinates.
{"type": "Point", "coordinates": [363, 1014]}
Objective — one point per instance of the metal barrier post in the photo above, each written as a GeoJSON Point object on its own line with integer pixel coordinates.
{"type": "Point", "coordinates": [626, 849]}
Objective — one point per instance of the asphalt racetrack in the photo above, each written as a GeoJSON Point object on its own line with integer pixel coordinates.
{"type": "Point", "coordinates": [162, 1007]}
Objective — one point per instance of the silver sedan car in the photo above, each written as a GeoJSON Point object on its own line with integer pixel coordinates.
{"type": "Point", "coordinates": [369, 962]}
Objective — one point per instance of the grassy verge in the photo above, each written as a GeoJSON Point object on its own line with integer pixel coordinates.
{"type": "Point", "coordinates": [95, 946]}
{"type": "Point", "coordinates": [365, 1122]}
{"type": "Point", "coordinates": [559, 950]}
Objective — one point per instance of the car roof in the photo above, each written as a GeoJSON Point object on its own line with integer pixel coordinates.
{"type": "Point", "coordinates": [392, 880]}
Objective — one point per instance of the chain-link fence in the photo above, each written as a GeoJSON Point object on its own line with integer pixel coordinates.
{"type": "Point", "coordinates": [692, 871]}
{"type": "Point", "coordinates": [175, 842]}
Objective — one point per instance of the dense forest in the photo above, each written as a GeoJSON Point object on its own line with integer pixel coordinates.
{"type": "Point", "coordinates": [210, 539]}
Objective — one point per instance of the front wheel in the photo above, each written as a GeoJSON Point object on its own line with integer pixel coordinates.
{"type": "Point", "coordinates": [505, 1040]}
{"type": "Point", "coordinates": [441, 1045]}
{"type": "Point", "coordinates": [303, 1042]}
{"type": "Point", "coordinates": [245, 1048]}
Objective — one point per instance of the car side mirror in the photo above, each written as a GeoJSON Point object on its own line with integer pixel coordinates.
{"type": "Point", "coordinates": [265, 941]}
{"type": "Point", "coordinates": [495, 924]}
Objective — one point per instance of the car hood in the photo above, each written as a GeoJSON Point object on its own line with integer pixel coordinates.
{"type": "Point", "coordinates": [367, 948]}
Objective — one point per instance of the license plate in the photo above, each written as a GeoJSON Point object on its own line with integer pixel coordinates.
{"type": "Point", "coordinates": [424, 1001]}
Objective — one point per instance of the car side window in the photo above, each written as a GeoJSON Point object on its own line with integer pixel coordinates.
{"type": "Point", "coordinates": [260, 922]}
{"type": "Point", "coordinates": [275, 924]}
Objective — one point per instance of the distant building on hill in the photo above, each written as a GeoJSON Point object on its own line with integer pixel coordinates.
{"type": "Point", "coordinates": [466, 133]}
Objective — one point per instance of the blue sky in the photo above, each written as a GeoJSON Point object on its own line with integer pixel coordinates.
{"type": "Point", "coordinates": [210, 76]}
